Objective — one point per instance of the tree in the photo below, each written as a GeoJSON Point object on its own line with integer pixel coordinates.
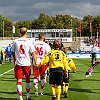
{"type": "Point", "coordinates": [8, 28]}
{"type": "Point", "coordinates": [96, 24]}
{"type": "Point", "coordinates": [2, 21]}
{"type": "Point", "coordinates": [86, 20]}
{"type": "Point", "coordinates": [67, 20]}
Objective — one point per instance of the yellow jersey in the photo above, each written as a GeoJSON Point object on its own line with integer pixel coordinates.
{"type": "Point", "coordinates": [56, 59]}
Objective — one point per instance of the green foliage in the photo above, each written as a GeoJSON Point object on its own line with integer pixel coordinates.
{"type": "Point", "coordinates": [2, 19]}
{"type": "Point", "coordinates": [58, 21]}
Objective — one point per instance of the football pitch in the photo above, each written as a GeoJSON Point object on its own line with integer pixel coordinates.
{"type": "Point", "coordinates": [80, 88]}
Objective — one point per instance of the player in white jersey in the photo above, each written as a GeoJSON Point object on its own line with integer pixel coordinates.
{"type": "Point", "coordinates": [21, 50]}
{"type": "Point", "coordinates": [41, 49]}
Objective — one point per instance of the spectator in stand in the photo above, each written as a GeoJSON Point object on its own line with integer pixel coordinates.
{"type": "Point", "coordinates": [87, 40]}
{"type": "Point", "coordinates": [84, 40]}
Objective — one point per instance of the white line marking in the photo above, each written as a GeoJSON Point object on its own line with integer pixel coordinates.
{"type": "Point", "coordinates": [6, 72]}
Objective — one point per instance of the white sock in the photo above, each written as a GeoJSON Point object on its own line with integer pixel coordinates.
{"type": "Point", "coordinates": [19, 90]}
{"type": "Point", "coordinates": [28, 85]}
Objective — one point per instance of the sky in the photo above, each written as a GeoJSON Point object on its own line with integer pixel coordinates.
{"type": "Point", "coordinates": [30, 9]}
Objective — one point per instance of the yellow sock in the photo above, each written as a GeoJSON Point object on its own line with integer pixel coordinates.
{"type": "Point", "coordinates": [52, 89]}
{"type": "Point", "coordinates": [63, 88]}
{"type": "Point", "coordinates": [66, 87]}
{"type": "Point", "coordinates": [58, 92]}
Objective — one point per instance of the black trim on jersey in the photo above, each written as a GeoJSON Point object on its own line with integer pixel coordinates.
{"type": "Point", "coordinates": [49, 53]}
{"type": "Point", "coordinates": [69, 61]}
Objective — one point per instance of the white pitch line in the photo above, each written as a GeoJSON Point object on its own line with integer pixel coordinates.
{"type": "Point", "coordinates": [6, 72]}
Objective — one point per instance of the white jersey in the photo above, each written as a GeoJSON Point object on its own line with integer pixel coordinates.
{"type": "Point", "coordinates": [41, 49]}
{"type": "Point", "coordinates": [22, 48]}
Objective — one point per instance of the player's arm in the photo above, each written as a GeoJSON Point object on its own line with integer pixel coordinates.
{"type": "Point", "coordinates": [66, 67]}
{"type": "Point", "coordinates": [44, 60]}
{"type": "Point", "coordinates": [13, 54]}
{"type": "Point", "coordinates": [33, 52]}
{"type": "Point", "coordinates": [13, 51]}
{"type": "Point", "coordinates": [72, 65]}
{"type": "Point", "coordinates": [34, 57]}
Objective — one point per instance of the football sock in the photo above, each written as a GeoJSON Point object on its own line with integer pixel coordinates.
{"type": "Point", "coordinates": [19, 90]}
{"type": "Point", "coordinates": [42, 84]}
{"type": "Point", "coordinates": [66, 87]}
{"type": "Point", "coordinates": [10, 60]}
{"type": "Point", "coordinates": [58, 92]}
{"type": "Point", "coordinates": [45, 77]}
{"type": "Point", "coordinates": [52, 89]}
{"type": "Point", "coordinates": [28, 85]}
{"type": "Point", "coordinates": [63, 88]}
{"type": "Point", "coordinates": [35, 81]}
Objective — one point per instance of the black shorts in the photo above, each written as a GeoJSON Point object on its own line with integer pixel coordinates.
{"type": "Point", "coordinates": [56, 76]}
{"type": "Point", "coordinates": [66, 80]}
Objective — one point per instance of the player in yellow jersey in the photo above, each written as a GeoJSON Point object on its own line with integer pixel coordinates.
{"type": "Point", "coordinates": [72, 66]}
{"type": "Point", "coordinates": [57, 63]}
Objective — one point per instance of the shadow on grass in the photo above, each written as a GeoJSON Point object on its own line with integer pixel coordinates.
{"type": "Point", "coordinates": [45, 94]}
{"type": "Point", "coordinates": [13, 80]}
{"type": "Point", "coordinates": [1, 98]}
{"type": "Point", "coordinates": [6, 98]}
{"type": "Point", "coordinates": [6, 92]}
{"type": "Point", "coordinates": [80, 80]}
{"type": "Point", "coordinates": [10, 93]}
{"type": "Point", "coordinates": [9, 74]}
{"type": "Point", "coordinates": [81, 90]}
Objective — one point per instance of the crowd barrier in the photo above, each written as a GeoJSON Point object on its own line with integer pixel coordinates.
{"type": "Point", "coordinates": [81, 55]}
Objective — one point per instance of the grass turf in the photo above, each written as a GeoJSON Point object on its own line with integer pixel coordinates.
{"type": "Point", "coordinates": [80, 88]}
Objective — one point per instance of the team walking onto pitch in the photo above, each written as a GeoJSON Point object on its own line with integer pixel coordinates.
{"type": "Point", "coordinates": [43, 58]}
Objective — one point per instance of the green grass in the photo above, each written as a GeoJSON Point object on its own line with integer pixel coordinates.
{"type": "Point", "coordinates": [80, 88]}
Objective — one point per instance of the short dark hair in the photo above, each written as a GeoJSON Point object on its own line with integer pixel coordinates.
{"type": "Point", "coordinates": [56, 44]}
{"type": "Point", "coordinates": [41, 35]}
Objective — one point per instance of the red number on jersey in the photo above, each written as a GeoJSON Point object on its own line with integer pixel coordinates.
{"type": "Point", "coordinates": [39, 51]}
{"type": "Point", "coordinates": [21, 50]}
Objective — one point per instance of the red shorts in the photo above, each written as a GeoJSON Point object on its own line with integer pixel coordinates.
{"type": "Point", "coordinates": [40, 71]}
{"type": "Point", "coordinates": [20, 71]}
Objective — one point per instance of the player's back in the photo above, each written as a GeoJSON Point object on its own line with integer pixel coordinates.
{"type": "Point", "coordinates": [9, 49]}
{"type": "Point", "coordinates": [41, 49]}
{"type": "Point", "coordinates": [22, 48]}
{"type": "Point", "coordinates": [56, 58]}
